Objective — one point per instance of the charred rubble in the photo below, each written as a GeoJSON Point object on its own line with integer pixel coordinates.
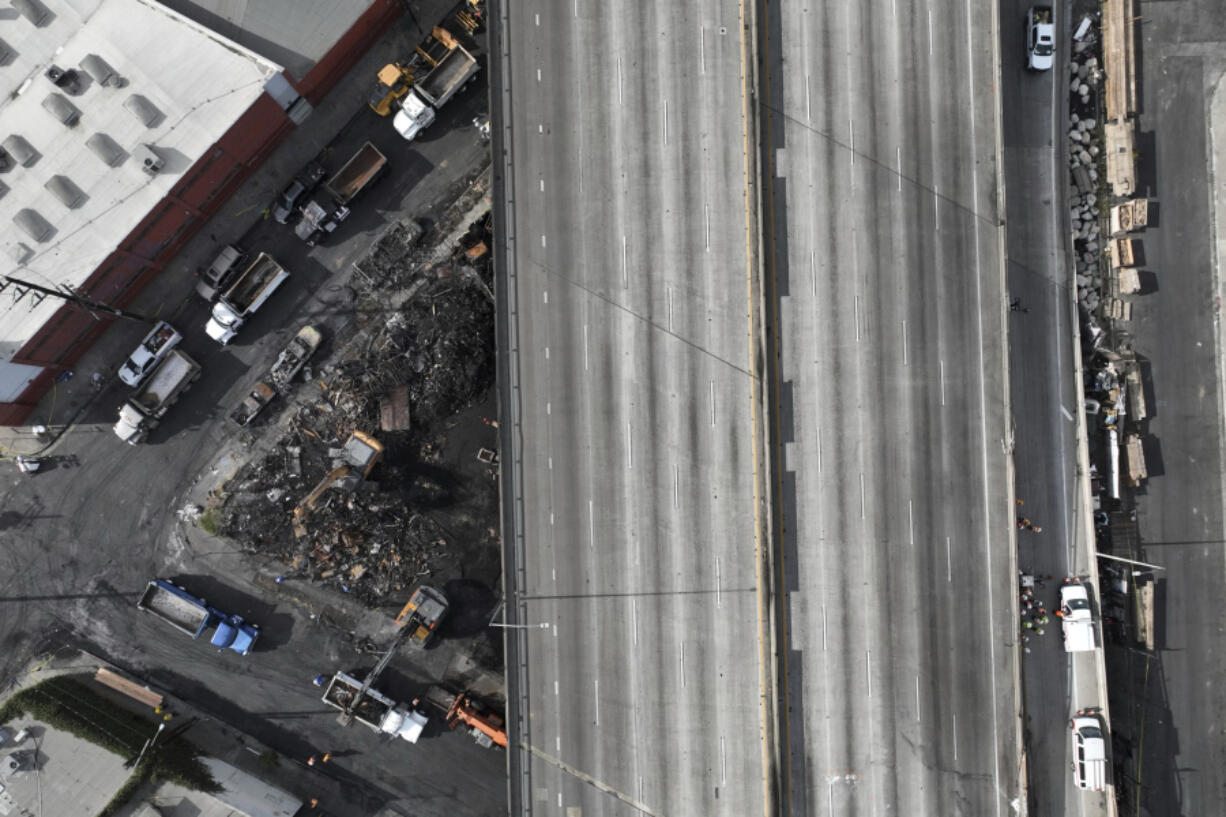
{"type": "Point", "coordinates": [421, 352]}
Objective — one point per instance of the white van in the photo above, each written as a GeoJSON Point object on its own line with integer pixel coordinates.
{"type": "Point", "coordinates": [218, 275]}
{"type": "Point", "coordinates": [1076, 616]}
{"type": "Point", "coordinates": [1089, 752]}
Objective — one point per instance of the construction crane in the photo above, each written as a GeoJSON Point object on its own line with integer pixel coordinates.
{"type": "Point", "coordinates": [426, 608]}
{"type": "Point", "coordinates": [486, 727]}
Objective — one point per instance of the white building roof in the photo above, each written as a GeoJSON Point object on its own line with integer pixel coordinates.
{"type": "Point", "coordinates": [180, 88]}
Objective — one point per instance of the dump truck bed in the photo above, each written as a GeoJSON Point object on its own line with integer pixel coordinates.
{"type": "Point", "coordinates": [176, 607]}
{"type": "Point", "coordinates": [370, 710]}
{"type": "Point", "coordinates": [357, 173]}
{"type": "Point", "coordinates": [247, 288]}
{"type": "Point", "coordinates": [168, 377]}
{"type": "Point", "coordinates": [448, 76]}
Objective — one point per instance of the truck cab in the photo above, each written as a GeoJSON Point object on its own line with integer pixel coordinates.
{"type": "Point", "coordinates": [233, 633]}
{"type": "Point", "coordinates": [414, 116]}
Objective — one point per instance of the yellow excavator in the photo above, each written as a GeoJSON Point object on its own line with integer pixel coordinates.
{"type": "Point", "coordinates": [393, 82]}
{"type": "Point", "coordinates": [361, 452]}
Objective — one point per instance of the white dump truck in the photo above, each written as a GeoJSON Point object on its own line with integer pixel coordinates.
{"type": "Point", "coordinates": [419, 108]}
{"type": "Point", "coordinates": [246, 295]}
{"type": "Point", "coordinates": [373, 708]}
{"type": "Point", "coordinates": [323, 213]}
{"type": "Point", "coordinates": [150, 402]}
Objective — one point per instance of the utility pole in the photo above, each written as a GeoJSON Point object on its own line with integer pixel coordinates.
{"type": "Point", "coordinates": [73, 298]}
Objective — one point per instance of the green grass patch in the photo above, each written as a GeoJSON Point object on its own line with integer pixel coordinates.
{"type": "Point", "coordinates": [67, 704]}
{"type": "Point", "coordinates": [210, 521]}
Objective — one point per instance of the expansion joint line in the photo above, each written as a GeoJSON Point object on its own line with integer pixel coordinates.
{"type": "Point", "coordinates": [591, 781]}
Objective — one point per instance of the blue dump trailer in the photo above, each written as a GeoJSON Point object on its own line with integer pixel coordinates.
{"type": "Point", "coordinates": [193, 616]}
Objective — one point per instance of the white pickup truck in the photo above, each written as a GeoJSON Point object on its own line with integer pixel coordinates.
{"type": "Point", "coordinates": [155, 346]}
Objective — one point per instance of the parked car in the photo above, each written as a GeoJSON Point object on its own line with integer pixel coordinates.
{"type": "Point", "coordinates": [156, 345]}
{"type": "Point", "coordinates": [219, 274]}
{"type": "Point", "coordinates": [286, 206]}
{"type": "Point", "coordinates": [1040, 39]}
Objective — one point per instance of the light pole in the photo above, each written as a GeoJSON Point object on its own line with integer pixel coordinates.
{"type": "Point", "coordinates": [149, 743]}
{"type": "Point", "coordinates": [544, 625]}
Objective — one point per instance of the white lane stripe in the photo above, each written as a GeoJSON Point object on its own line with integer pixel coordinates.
{"type": "Point", "coordinates": [625, 278]}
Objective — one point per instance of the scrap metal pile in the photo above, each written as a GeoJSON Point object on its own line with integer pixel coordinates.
{"type": "Point", "coordinates": [429, 348]}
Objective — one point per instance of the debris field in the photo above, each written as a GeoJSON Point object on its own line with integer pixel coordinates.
{"type": "Point", "coordinates": [416, 367]}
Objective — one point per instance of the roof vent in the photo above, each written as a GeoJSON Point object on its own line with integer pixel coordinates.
{"type": "Point", "coordinates": [32, 10]}
{"type": "Point", "coordinates": [149, 160]}
{"type": "Point", "coordinates": [20, 253]}
{"type": "Point", "coordinates": [63, 110]}
{"type": "Point", "coordinates": [68, 80]}
{"type": "Point", "coordinates": [33, 225]}
{"type": "Point", "coordinates": [63, 189]}
{"type": "Point", "coordinates": [101, 71]}
{"type": "Point", "coordinates": [106, 149]}
{"type": "Point", "coordinates": [21, 150]}
{"type": "Point", "coordinates": [144, 110]}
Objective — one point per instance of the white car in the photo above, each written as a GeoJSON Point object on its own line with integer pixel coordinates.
{"type": "Point", "coordinates": [1040, 39]}
{"type": "Point", "coordinates": [156, 345]}
{"type": "Point", "coordinates": [1089, 752]}
{"type": "Point", "coordinates": [1076, 616]}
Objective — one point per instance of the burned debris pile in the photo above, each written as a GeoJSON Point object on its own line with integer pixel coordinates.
{"type": "Point", "coordinates": [353, 491]}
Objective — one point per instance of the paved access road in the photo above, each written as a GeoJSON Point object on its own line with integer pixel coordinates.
{"type": "Point", "coordinates": [1044, 401]}
{"type": "Point", "coordinates": [899, 683]}
{"type": "Point", "coordinates": [633, 436]}
{"type": "Point", "coordinates": [79, 541]}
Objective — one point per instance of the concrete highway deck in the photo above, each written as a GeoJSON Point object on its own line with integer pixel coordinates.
{"type": "Point", "coordinates": [631, 471]}
{"type": "Point", "coordinates": [899, 685]}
